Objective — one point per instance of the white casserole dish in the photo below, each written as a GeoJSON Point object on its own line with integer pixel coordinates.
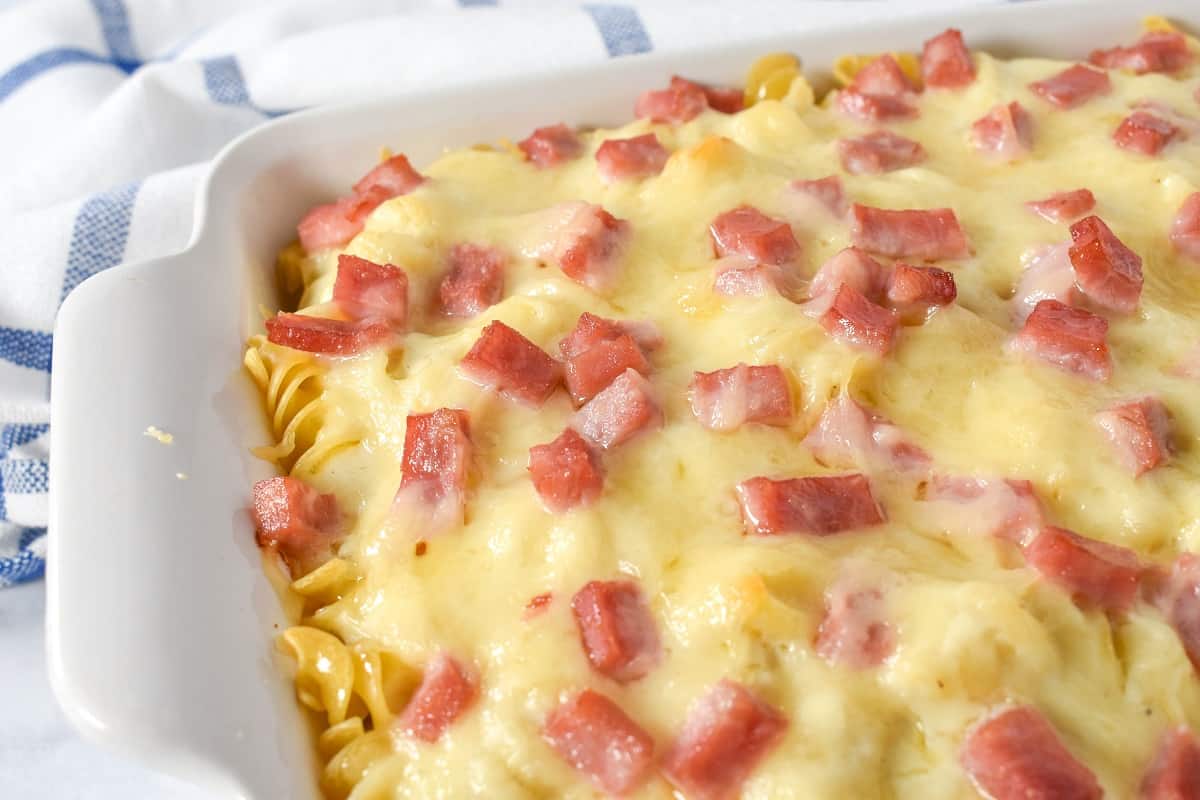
{"type": "Point", "coordinates": [160, 620]}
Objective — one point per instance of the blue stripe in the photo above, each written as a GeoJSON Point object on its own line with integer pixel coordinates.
{"type": "Point", "coordinates": [26, 348]}
{"type": "Point", "coordinates": [224, 81]}
{"type": "Point", "coordinates": [24, 476]}
{"type": "Point", "coordinates": [19, 434]}
{"type": "Point", "coordinates": [98, 239]}
{"type": "Point", "coordinates": [621, 28]}
{"type": "Point", "coordinates": [34, 66]}
{"type": "Point", "coordinates": [114, 24]}
{"type": "Point", "coordinates": [26, 566]}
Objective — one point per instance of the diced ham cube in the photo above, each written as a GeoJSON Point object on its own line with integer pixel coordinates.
{"type": "Point", "coordinates": [1107, 271]}
{"type": "Point", "coordinates": [475, 281]}
{"type": "Point", "coordinates": [821, 505]}
{"type": "Point", "coordinates": [1005, 133]}
{"type": "Point", "coordinates": [916, 291]}
{"type": "Point", "coordinates": [945, 61]}
{"type": "Point", "coordinates": [1063, 206]}
{"type": "Point", "coordinates": [1048, 275]}
{"type": "Point", "coordinates": [437, 454]}
{"type": "Point", "coordinates": [1156, 51]}
{"type": "Point", "coordinates": [726, 399]}
{"type": "Point", "coordinates": [1071, 339]}
{"type": "Point", "coordinates": [623, 409]}
{"type": "Point", "coordinates": [925, 234]}
{"type": "Point", "coordinates": [589, 244]}
{"type": "Point", "coordinates": [682, 101]}
{"type": "Point", "coordinates": [296, 521]}
{"type": "Point", "coordinates": [1017, 755]}
{"type": "Point", "coordinates": [505, 361]}
{"type": "Point", "coordinates": [334, 224]}
{"type": "Point", "coordinates": [1175, 772]}
{"type": "Point", "coordinates": [827, 191]}
{"type": "Point", "coordinates": [330, 337]}
{"type": "Point", "coordinates": [593, 735]}
{"type": "Point", "coordinates": [447, 691]}
{"type": "Point", "coordinates": [1097, 574]}
{"type": "Point", "coordinates": [551, 146]}
{"type": "Point", "coordinates": [395, 177]}
{"type": "Point", "coordinates": [855, 631]}
{"type": "Point", "coordinates": [629, 159]}
{"type": "Point", "coordinates": [1179, 601]}
{"type": "Point", "coordinates": [725, 99]}
{"type": "Point", "coordinates": [590, 330]}
{"type": "Point", "coordinates": [978, 506]}
{"type": "Point", "coordinates": [878, 152]}
{"type": "Point", "coordinates": [853, 267]}
{"type": "Point", "coordinates": [748, 232]}
{"type": "Point", "coordinates": [852, 319]}
{"type": "Point", "coordinates": [738, 276]}
{"type": "Point", "coordinates": [565, 472]}
{"type": "Point", "coordinates": [849, 435]}
{"type": "Point", "coordinates": [873, 107]}
{"type": "Point", "coordinates": [882, 76]}
{"type": "Point", "coordinates": [728, 732]}
{"type": "Point", "coordinates": [880, 91]}
{"type": "Point", "coordinates": [1140, 433]}
{"type": "Point", "coordinates": [1145, 133]}
{"type": "Point", "coordinates": [595, 368]}
{"type": "Point", "coordinates": [616, 629]}
{"type": "Point", "coordinates": [1185, 229]}
{"type": "Point", "coordinates": [365, 290]}
{"type": "Point", "coordinates": [1072, 87]}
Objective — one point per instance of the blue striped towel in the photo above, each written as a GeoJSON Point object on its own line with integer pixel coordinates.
{"type": "Point", "coordinates": [110, 109]}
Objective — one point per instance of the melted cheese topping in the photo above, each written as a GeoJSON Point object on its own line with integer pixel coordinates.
{"type": "Point", "coordinates": [974, 626]}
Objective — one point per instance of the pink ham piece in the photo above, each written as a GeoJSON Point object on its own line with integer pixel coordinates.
{"type": "Point", "coordinates": [855, 631]}
{"type": "Point", "coordinates": [847, 434]}
{"type": "Point", "coordinates": [1175, 772]}
{"type": "Point", "coordinates": [551, 146]}
{"type": "Point", "coordinates": [1145, 133]}
{"type": "Point", "coordinates": [329, 337]}
{"type": "Point", "coordinates": [725, 99]}
{"type": "Point", "coordinates": [590, 330]}
{"type": "Point", "coordinates": [727, 733]}
{"type": "Point", "coordinates": [880, 91]}
{"type": "Point", "coordinates": [828, 192]}
{"type": "Point", "coordinates": [981, 506]}
{"type": "Point", "coordinates": [616, 629]}
{"type": "Point", "coordinates": [1072, 87]}
{"type": "Point", "coordinates": [1179, 600]}
{"type": "Point", "coordinates": [625, 408]}
{"type": "Point", "coordinates": [1003, 134]}
{"type": "Point", "coordinates": [1048, 275]}
{"type": "Point", "coordinates": [1070, 339]}
{"type": "Point", "coordinates": [447, 691]}
{"type": "Point", "coordinates": [1097, 574]}
{"type": "Point", "coordinates": [588, 244]}
{"type": "Point", "coordinates": [1063, 206]}
{"type": "Point", "coordinates": [852, 319]}
{"type": "Point", "coordinates": [748, 232]}
{"type": "Point", "coordinates": [336, 223]}
{"type": "Point", "coordinates": [566, 473]}
{"type": "Point", "coordinates": [915, 292]}
{"type": "Point", "coordinates": [505, 361]}
{"type": "Point", "coordinates": [738, 276]}
{"type": "Point", "coordinates": [1107, 271]}
{"type": "Point", "coordinates": [596, 367]}
{"type": "Point", "coordinates": [821, 505]}
{"type": "Point", "coordinates": [1016, 754]}
{"type": "Point", "coordinates": [593, 735]}
{"type": "Point", "coordinates": [853, 267]}
{"type": "Point", "coordinates": [1140, 433]}
{"type": "Point", "coordinates": [684, 100]}
{"type": "Point", "coordinates": [925, 234]}
{"type": "Point", "coordinates": [878, 152]}
{"type": "Point", "coordinates": [630, 159]}
{"type": "Point", "coordinates": [1156, 51]}
{"type": "Point", "coordinates": [1185, 228]}
{"type": "Point", "coordinates": [946, 62]}
{"type": "Point", "coordinates": [437, 454]}
{"type": "Point", "coordinates": [726, 399]}
{"type": "Point", "coordinates": [475, 281]}
{"type": "Point", "coordinates": [365, 290]}
{"type": "Point", "coordinates": [296, 521]}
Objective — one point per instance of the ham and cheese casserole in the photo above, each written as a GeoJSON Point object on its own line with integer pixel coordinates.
{"type": "Point", "coordinates": [768, 446]}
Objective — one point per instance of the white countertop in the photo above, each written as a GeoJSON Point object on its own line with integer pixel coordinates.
{"type": "Point", "coordinates": [41, 757]}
